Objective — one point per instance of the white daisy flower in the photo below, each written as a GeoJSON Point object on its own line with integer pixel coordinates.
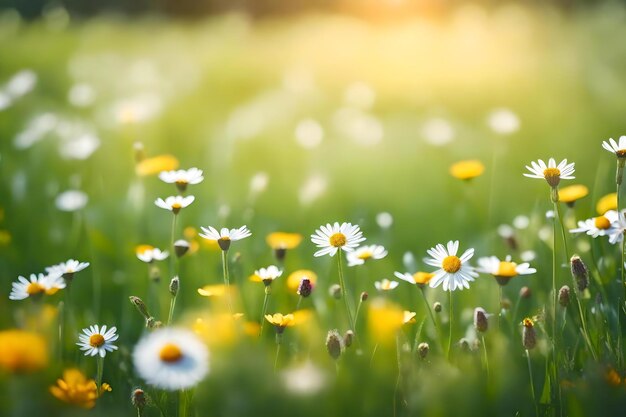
{"type": "Point", "coordinates": [171, 359]}
{"type": "Point", "coordinates": [225, 236]}
{"type": "Point", "coordinates": [152, 254]}
{"type": "Point", "coordinates": [267, 275]}
{"type": "Point", "coordinates": [454, 272]}
{"type": "Point", "coordinates": [365, 253]}
{"type": "Point", "coordinates": [551, 172]}
{"type": "Point", "coordinates": [174, 203]}
{"type": "Point", "coordinates": [604, 225]}
{"type": "Point", "coordinates": [419, 278]}
{"type": "Point", "coordinates": [503, 271]}
{"type": "Point", "coordinates": [182, 178]}
{"type": "Point", "coordinates": [67, 269]}
{"type": "Point", "coordinates": [37, 286]}
{"type": "Point", "coordinates": [618, 148]}
{"type": "Point", "coordinates": [616, 232]}
{"type": "Point", "coordinates": [385, 285]}
{"type": "Point", "coordinates": [331, 238]}
{"type": "Point", "coordinates": [97, 340]}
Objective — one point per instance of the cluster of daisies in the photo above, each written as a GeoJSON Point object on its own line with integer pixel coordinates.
{"type": "Point", "coordinates": [56, 278]}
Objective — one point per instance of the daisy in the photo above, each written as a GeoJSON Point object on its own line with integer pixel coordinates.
{"type": "Point", "coordinates": [266, 275]}
{"type": "Point", "coordinates": [225, 236]}
{"type": "Point", "coordinates": [551, 172]}
{"type": "Point", "coordinates": [385, 285]}
{"type": "Point", "coordinates": [616, 234]}
{"type": "Point", "coordinates": [182, 178]}
{"type": "Point", "coordinates": [454, 272]}
{"type": "Point", "coordinates": [36, 287]}
{"type": "Point", "coordinates": [171, 359]}
{"type": "Point", "coordinates": [618, 148]}
{"type": "Point", "coordinates": [418, 278]}
{"type": "Point", "coordinates": [67, 269]}
{"type": "Point", "coordinates": [605, 225]}
{"type": "Point", "coordinates": [503, 271]}
{"type": "Point", "coordinates": [331, 238]}
{"type": "Point", "coordinates": [174, 203]}
{"type": "Point", "coordinates": [150, 254]}
{"type": "Point", "coordinates": [365, 253]}
{"type": "Point", "coordinates": [97, 340]}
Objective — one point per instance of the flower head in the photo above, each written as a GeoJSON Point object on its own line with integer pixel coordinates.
{"type": "Point", "coordinates": [282, 240]}
{"type": "Point", "coordinates": [266, 275]}
{"type": "Point", "coordinates": [96, 340]}
{"type": "Point", "coordinates": [619, 149]}
{"type": "Point", "coordinates": [572, 193]}
{"type": "Point", "coordinates": [37, 286]}
{"type": "Point", "coordinates": [295, 278]}
{"type": "Point", "coordinates": [551, 172]}
{"type": "Point", "coordinates": [22, 351]}
{"type": "Point", "coordinates": [174, 203]}
{"type": "Point", "coordinates": [503, 271]}
{"type": "Point", "coordinates": [182, 178]}
{"type": "Point", "coordinates": [364, 253]}
{"type": "Point", "coordinates": [385, 285]}
{"type": "Point", "coordinates": [606, 203]}
{"type": "Point", "coordinates": [454, 272]}
{"type": "Point", "coordinates": [149, 254]}
{"type": "Point", "coordinates": [74, 388]}
{"type": "Point", "coordinates": [171, 359]}
{"type": "Point", "coordinates": [604, 225]}
{"type": "Point", "coordinates": [331, 238]}
{"type": "Point", "coordinates": [418, 278]}
{"type": "Point", "coordinates": [156, 164]}
{"type": "Point", "coordinates": [225, 236]}
{"type": "Point", "coordinates": [466, 170]}
{"type": "Point", "coordinates": [281, 321]}
{"type": "Point", "coordinates": [67, 269]}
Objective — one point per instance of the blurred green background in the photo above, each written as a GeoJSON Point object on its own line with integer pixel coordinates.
{"type": "Point", "coordinates": [347, 110]}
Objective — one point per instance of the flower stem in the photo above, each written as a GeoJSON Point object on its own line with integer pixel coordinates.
{"type": "Point", "coordinates": [171, 313]}
{"type": "Point", "coordinates": [450, 335]}
{"type": "Point", "coordinates": [226, 279]}
{"type": "Point", "coordinates": [532, 385]}
{"type": "Point", "coordinates": [432, 317]}
{"type": "Point", "coordinates": [172, 250]}
{"type": "Point", "coordinates": [279, 339]}
{"type": "Point", "coordinates": [100, 366]}
{"type": "Point", "coordinates": [344, 292]}
{"type": "Point", "coordinates": [486, 357]}
{"type": "Point", "coordinates": [299, 302]}
{"type": "Point", "coordinates": [182, 403]}
{"type": "Point", "coordinates": [264, 310]}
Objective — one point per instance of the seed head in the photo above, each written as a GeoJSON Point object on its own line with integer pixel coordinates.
{"type": "Point", "coordinates": [437, 307]}
{"type": "Point", "coordinates": [580, 273]}
{"type": "Point", "coordinates": [348, 338]}
{"type": "Point", "coordinates": [564, 296]}
{"type": "Point", "coordinates": [138, 399]}
{"type": "Point", "coordinates": [364, 296]}
{"type": "Point", "coordinates": [181, 247]}
{"type": "Point", "coordinates": [481, 324]}
{"type": "Point", "coordinates": [335, 291]}
{"type": "Point", "coordinates": [305, 288]}
{"type": "Point", "coordinates": [174, 286]}
{"type": "Point", "coordinates": [334, 344]}
{"type": "Point", "coordinates": [140, 305]}
{"type": "Point", "coordinates": [422, 350]}
{"type": "Point", "coordinates": [529, 337]}
{"type": "Point", "coordinates": [525, 292]}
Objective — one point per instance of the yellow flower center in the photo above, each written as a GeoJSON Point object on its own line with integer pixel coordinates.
{"type": "Point", "coordinates": [422, 277]}
{"type": "Point", "coordinates": [621, 153]}
{"type": "Point", "coordinates": [602, 222]}
{"type": "Point", "coordinates": [34, 288]}
{"type": "Point", "coordinates": [176, 206]}
{"type": "Point", "coordinates": [96, 340]}
{"type": "Point", "coordinates": [528, 322]}
{"type": "Point", "coordinates": [506, 269]}
{"type": "Point", "coordinates": [451, 264]}
{"type": "Point", "coordinates": [552, 175]}
{"type": "Point", "coordinates": [365, 255]}
{"type": "Point", "coordinates": [181, 182]}
{"type": "Point", "coordinates": [170, 353]}
{"type": "Point", "coordinates": [338, 240]}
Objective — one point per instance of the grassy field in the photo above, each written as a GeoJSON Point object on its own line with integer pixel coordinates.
{"type": "Point", "coordinates": [297, 123]}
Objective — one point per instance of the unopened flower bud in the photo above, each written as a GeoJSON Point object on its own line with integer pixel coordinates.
{"type": "Point", "coordinates": [280, 254]}
{"type": "Point", "coordinates": [174, 286]}
{"type": "Point", "coordinates": [348, 338]}
{"type": "Point", "coordinates": [138, 399]}
{"type": "Point", "coordinates": [155, 273]}
{"type": "Point", "coordinates": [564, 296]}
{"type": "Point", "coordinates": [505, 304]}
{"type": "Point", "coordinates": [422, 350]}
{"type": "Point", "coordinates": [152, 323]}
{"type": "Point", "coordinates": [335, 291]}
{"type": "Point", "coordinates": [305, 287]}
{"type": "Point", "coordinates": [140, 305]}
{"type": "Point", "coordinates": [140, 152]}
{"type": "Point", "coordinates": [334, 344]}
{"type": "Point", "coordinates": [525, 292]}
{"type": "Point", "coordinates": [437, 307]}
{"type": "Point", "coordinates": [529, 337]}
{"type": "Point", "coordinates": [364, 296]}
{"type": "Point", "coordinates": [181, 247]}
{"type": "Point", "coordinates": [580, 273]}
{"type": "Point", "coordinates": [481, 324]}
